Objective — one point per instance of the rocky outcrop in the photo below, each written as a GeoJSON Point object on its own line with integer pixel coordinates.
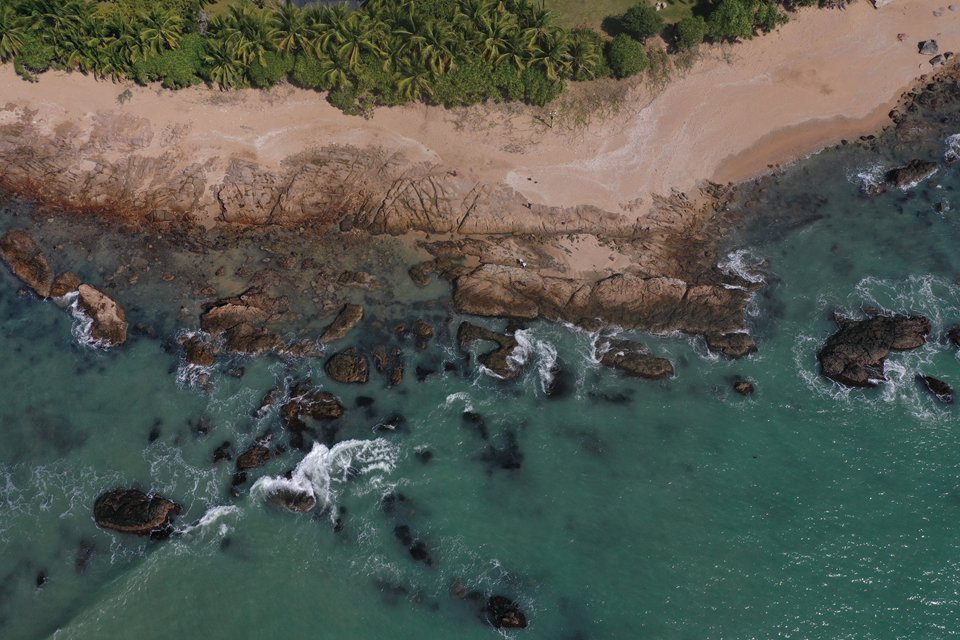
{"type": "Point", "coordinates": [242, 321]}
{"type": "Point", "coordinates": [109, 326]}
{"type": "Point", "coordinates": [199, 349]}
{"type": "Point", "coordinates": [911, 174]}
{"type": "Point", "coordinates": [254, 457]}
{"type": "Point", "coordinates": [389, 364]}
{"type": "Point", "coordinates": [292, 499]}
{"type": "Point", "coordinates": [855, 355]}
{"type": "Point", "coordinates": [657, 304]}
{"type": "Point", "coordinates": [27, 262]}
{"type": "Point", "coordinates": [504, 613]}
{"type": "Point", "coordinates": [953, 335]}
{"type": "Point", "coordinates": [305, 401]}
{"type": "Point", "coordinates": [937, 388]}
{"type": "Point", "coordinates": [633, 358]}
{"type": "Point", "coordinates": [136, 512]}
{"type": "Point", "coordinates": [497, 360]}
{"type": "Point", "coordinates": [349, 367]}
{"type": "Point", "coordinates": [743, 387]}
{"type": "Point", "coordinates": [349, 317]}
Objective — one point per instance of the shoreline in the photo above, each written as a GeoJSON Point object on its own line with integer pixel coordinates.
{"type": "Point", "coordinates": [523, 220]}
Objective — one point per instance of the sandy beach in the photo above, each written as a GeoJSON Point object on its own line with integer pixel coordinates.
{"type": "Point", "coordinates": [739, 110]}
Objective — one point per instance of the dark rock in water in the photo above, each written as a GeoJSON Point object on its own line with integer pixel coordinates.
{"type": "Point", "coordinates": [236, 372]}
{"type": "Point", "coordinates": [109, 320]}
{"type": "Point", "coordinates": [416, 547]}
{"type": "Point", "coordinates": [349, 367]}
{"type": "Point", "coordinates": [508, 457]}
{"type": "Point", "coordinates": [928, 47]}
{"type": "Point", "coordinates": [633, 358]}
{"type": "Point", "coordinates": [292, 499]}
{"type": "Point", "coordinates": [940, 389]}
{"type": "Point", "coordinates": [223, 452]}
{"type": "Point", "coordinates": [41, 578]}
{"type": "Point", "coordinates": [84, 552]}
{"type": "Point", "coordinates": [953, 335]}
{"type": "Point", "coordinates": [318, 405]}
{"type": "Point", "coordinates": [65, 283]}
{"type": "Point", "coordinates": [363, 401]}
{"type": "Point", "coordinates": [154, 433]}
{"type": "Point", "coordinates": [504, 613]}
{"type": "Point", "coordinates": [424, 456]}
{"type": "Point", "coordinates": [423, 333]}
{"type": "Point", "coordinates": [855, 355]}
{"type": "Point", "coordinates": [348, 318]}
{"type": "Point", "coordinates": [743, 387]}
{"type": "Point", "coordinates": [133, 511]}
{"type": "Point", "coordinates": [254, 457]}
{"type": "Point", "coordinates": [496, 360]}
{"type": "Point", "coordinates": [199, 349]}
{"type": "Point", "coordinates": [380, 359]}
{"type": "Point", "coordinates": [475, 420]}
{"type": "Point", "coordinates": [732, 345]}
{"type": "Point", "coordinates": [424, 372]}
{"type": "Point", "coordinates": [910, 174]}
{"type": "Point", "coordinates": [27, 262]}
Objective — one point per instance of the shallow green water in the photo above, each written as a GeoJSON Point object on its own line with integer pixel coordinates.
{"type": "Point", "coordinates": [672, 509]}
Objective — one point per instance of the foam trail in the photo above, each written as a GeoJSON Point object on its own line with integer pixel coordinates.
{"type": "Point", "coordinates": [212, 516]}
{"type": "Point", "coordinates": [322, 470]}
{"type": "Point", "coordinates": [460, 396]}
{"type": "Point", "coordinates": [83, 325]}
{"type": "Point", "coordinates": [743, 264]}
{"type": "Point", "coordinates": [528, 347]}
{"type": "Point", "coordinates": [952, 143]}
{"type": "Point", "coordinates": [870, 178]}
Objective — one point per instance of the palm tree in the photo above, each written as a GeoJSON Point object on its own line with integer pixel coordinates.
{"type": "Point", "coordinates": [415, 82]}
{"type": "Point", "coordinates": [246, 31]}
{"type": "Point", "coordinates": [495, 33]}
{"type": "Point", "coordinates": [224, 68]}
{"type": "Point", "coordinates": [585, 55]}
{"type": "Point", "coordinates": [356, 36]}
{"type": "Point", "coordinates": [289, 32]}
{"type": "Point", "coordinates": [12, 32]}
{"type": "Point", "coordinates": [160, 30]}
{"type": "Point", "coordinates": [436, 51]}
{"type": "Point", "coordinates": [335, 72]}
{"type": "Point", "coordinates": [552, 54]}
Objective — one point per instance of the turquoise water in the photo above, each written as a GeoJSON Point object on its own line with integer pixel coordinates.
{"type": "Point", "coordinates": [624, 509]}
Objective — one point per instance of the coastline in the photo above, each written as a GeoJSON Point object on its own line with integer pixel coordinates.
{"type": "Point", "coordinates": [524, 219]}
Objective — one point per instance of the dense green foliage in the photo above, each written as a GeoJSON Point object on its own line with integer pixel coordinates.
{"type": "Point", "coordinates": [627, 57]}
{"type": "Point", "coordinates": [641, 21]}
{"type": "Point", "coordinates": [690, 32]}
{"type": "Point", "coordinates": [450, 52]}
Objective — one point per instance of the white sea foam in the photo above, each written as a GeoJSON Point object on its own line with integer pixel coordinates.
{"type": "Point", "coordinates": [952, 143]}
{"type": "Point", "coordinates": [743, 264]}
{"type": "Point", "coordinates": [193, 375]}
{"type": "Point", "coordinates": [529, 347]}
{"type": "Point", "coordinates": [869, 178]}
{"type": "Point", "coordinates": [324, 470]}
{"type": "Point", "coordinates": [213, 520]}
{"type": "Point", "coordinates": [459, 396]}
{"type": "Point", "coordinates": [83, 324]}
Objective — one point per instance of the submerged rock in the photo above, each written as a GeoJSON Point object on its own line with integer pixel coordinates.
{"type": "Point", "coordinates": [109, 320]}
{"type": "Point", "coordinates": [254, 457]}
{"type": "Point", "coordinates": [855, 355]}
{"type": "Point", "coordinates": [349, 367]}
{"type": "Point", "coordinates": [938, 388]}
{"type": "Point", "coordinates": [349, 317]}
{"type": "Point", "coordinates": [732, 345]}
{"type": "Point", "coordinates": [304, 401]}
{"type": "Point", "coordinates": [27, 262]}
{"type": "Point", "coordinates": [633, 358]}
{"type": "Point", "coordinates": [298, 501]}
{"type": "Point", "coordinates": [133, 511]}
{"type": "Point", "coordinates": [743, 387]}
{"type": "Point", "coordinates": [504, 613]}
{"type": "Point", "coordinates": [953, 335]}
{"type": "Point", "coordinates": [910, 174]}
{"type": "Point", "coordinates": [496, 360]}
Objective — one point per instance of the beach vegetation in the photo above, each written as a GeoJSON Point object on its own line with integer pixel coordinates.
{"type": "Point", "coordinates": [690, 32]}
{"type": "Point", "coordinates": [627, 57]}
{"type": "Point", "coordinates": [641, 21]}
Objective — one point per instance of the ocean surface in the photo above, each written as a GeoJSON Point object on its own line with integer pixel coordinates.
{"type": "Point", "coordinates": [616, 508]}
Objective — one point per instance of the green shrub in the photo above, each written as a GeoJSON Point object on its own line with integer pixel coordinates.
{"type": "Point", "coordinates": [732, 20]}
{"type": "Point", "coordinates": [35, 56]}
{"type": "Point", "coordinates": [470, 83]}
{"type": "Point", "coordinates": [177, 68]}
{"type": "Point", "coordinates": [690, 32]}
{"type": "Point", "coordinates": [274, 69]}
{"type": "Point", "coordinates": [641, 21]}
{"type": "Point", "coordinates": [508, 83]}
{"type": "Point", "coordinates": [626, 56]}
{"type": "Point", "coordinates": [768, 16]}
{"type": "Point", "coordinates": [308, 73]}
{"type": "Point", "coordinates": [589, 61]}
{"type": "Point", "coordinates": [345, 100]}
{"type": "Point", "coordinates": [539, 89]}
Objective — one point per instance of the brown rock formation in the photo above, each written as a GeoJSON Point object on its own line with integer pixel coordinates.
{"type": "Point", "coordinates": [633, 358]}
{"type": "Point", "coordinates": [109, 320]}
{"type": "Point", "coordinates": [349, 317]}
{"type": "Point", "coordinates": [349, 367]}
{"type": "Point", "coordinates": [133, 511]}
{"type": "Point", "coordinates": [27, 262]}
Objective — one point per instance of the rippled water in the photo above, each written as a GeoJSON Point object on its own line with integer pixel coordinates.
{"type": "Point", "coordinates": [620, 509]}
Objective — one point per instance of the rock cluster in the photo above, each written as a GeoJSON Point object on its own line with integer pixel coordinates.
{"type": "Point", "coordinates": [497, 360]}
{"type": "Point", "coordinates": [349, 317]}
{"type": "Point", "coordinates": [136, 512]}
{"type": "Point", "coordinates": [634, 359]}
{"type": "Point", "coordinates": [109, 326]}
{"type": "Point", "coordinates": [349, 367]}
{"type": "Point", "coordinates": [27, 262]}
{"type": "Point", "coordinates": [855, 355]}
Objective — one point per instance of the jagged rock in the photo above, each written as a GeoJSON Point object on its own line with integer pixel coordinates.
{"type": "Point", "coordinates": [199, 349]}
{"type": "Point", "coordinates": [855, 355]}
{"type": "Point", "coordinates": [291, 499]}
{"type": "Point", "coordinates": [66, 282]}
{"type": "Point", "coordinates": [109, 320]}
{"type": "Point", "coordinates": [937, 61]}
{"type": "Point", "coordinates": [504, 613]}
{"type": "Point", "coordinates": [423, 333]}
{"type": "Point", "coordinates": [349, 366]}
{"type": "Point", "coordinates": [910, 174]}
{"type": "Point", "coordinates": [928, 47]}
{"type": "Point", "coordinates": [27, 262]}
{"type": "Point", "coordinates": [953, 335]}
{"type": "Point", "coordinates": [241, 321]}
{"type": "Point", "coordinates": [422, 273]}
{"type": "Point", "coordinates": [223, 452]}
{"type": "Point", "coordinates": [633, 358]}
{"type": "Point", "coordinates": [938, 388]}
{"type": "Point", "coordinates": [496, 360]}
{"type": "Point", "coordinates": [254, 457]}
{"type": "Point", "coordinates": [304, 401]}
{"type": "Point", "coordinates": [732, 345]}
{"type": "Point", "coordinates": [133, 511]}
{"type": "Point", "coordinates": [743, 387]}
{"type": "Point", "coordinates": [349, 317]}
